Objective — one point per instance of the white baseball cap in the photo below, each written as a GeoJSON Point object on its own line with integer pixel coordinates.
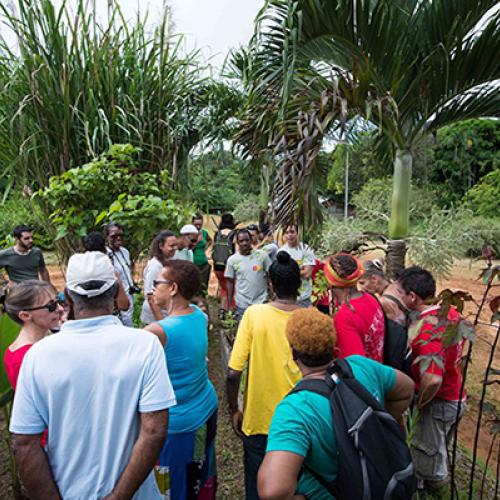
{"type": "Point", "coordinates": [89, 266]}
{"type": "Point", "coordinates": [188, 229]}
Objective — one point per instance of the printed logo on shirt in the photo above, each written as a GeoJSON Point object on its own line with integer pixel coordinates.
{"type": "Point", "coordinates": [257, 268]}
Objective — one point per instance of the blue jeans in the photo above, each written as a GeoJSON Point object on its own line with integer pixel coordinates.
{"type": "Point", "coordinates": [254, 449]}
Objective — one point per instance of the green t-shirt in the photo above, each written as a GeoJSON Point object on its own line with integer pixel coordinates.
{"type": "Point", "coordinates": [200, 257]}
{"type": "Point", "coordinates": [22, 267]}
{"type": "Point", "coordinates": [302, 424]}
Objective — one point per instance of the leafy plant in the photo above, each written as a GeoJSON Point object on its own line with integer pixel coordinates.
{"type": "Point", "coordinates": [483, 198]}
{"type": "Point", "coordinates": [247, 209]}
{"type": "Point", "coordinates": [465, 152]}
{"type": "Point", "coordinates": [20, 209]}
{"type": "Point", "coordinates": [111, 187]}
{"type": "Point", "coordinates": [78, 84]}
{"type": "Point", "coordinates": [313, 65]}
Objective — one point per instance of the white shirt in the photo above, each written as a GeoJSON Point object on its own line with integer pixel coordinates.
{"type": "Point", "coordinates": [88, 385]}
{"type": "Point", "coordinates": [151, 273]}
{"type": "Point", "coordinates": [304, 256]}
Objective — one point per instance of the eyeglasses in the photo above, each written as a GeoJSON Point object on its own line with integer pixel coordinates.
{"type": "Point", "coordinates": [116, 237]}
{"type": "Point", "coordinates": [50, 306]}
{"type": "Point", "coordinates": [161, 282]}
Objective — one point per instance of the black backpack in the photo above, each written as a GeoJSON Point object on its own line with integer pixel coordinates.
{"type": "Point", "coordinates": [223, 248]}
{"type": "Point", "coordinates": [397, 352]}
{"type": "Point", "coordinates": [374, 462]}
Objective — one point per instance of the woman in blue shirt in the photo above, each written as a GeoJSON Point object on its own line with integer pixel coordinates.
{"type": "Point", "coordinates": [187, 461]}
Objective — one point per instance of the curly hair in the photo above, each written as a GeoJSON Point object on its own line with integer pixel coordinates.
{"type": "Point", "coordinates": [186, 275]}
{"type": "Point", "coordinates": [312, 336]}
{"type": "Point", "coordinates": [343, 264]}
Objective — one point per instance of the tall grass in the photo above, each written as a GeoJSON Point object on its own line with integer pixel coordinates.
{"type": "Point", "coordinates": [75, 85]}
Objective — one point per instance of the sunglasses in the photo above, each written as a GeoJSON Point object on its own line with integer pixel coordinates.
{"type": "Point", "coordinates": [50, 306]}
{"type": "Point", "coordinates": [116, 237]}
{"type": "Point", "coordinates": [162, 282]}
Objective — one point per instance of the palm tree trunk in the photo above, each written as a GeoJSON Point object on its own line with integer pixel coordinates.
{"type": "Point", "coordinates": [400, 212]}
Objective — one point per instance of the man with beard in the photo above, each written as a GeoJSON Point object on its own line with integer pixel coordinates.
{"type": "Point", "coordinates": [24, 261]}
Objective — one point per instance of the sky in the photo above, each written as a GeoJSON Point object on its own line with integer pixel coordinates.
{"type": "Point", "coordinates": [213, 26]}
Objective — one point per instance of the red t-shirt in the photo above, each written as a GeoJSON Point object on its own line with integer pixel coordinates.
{"type": "Point", "coordinates": [12, 361]}
{"type": "Point", "coordinates": [424, 344]}
{"type": "Point", "coordinates": [361, 330]}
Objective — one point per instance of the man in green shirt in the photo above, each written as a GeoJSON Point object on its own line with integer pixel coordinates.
{"type": "Point", "coordinates": [199, 251]}
{"type": "Point", "coordinates": [23, 261]}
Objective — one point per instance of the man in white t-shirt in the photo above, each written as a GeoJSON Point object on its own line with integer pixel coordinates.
{"type": "Point", "coordinates": [304, 257]}
{"type": "Point", "coordinates": [103, 392]}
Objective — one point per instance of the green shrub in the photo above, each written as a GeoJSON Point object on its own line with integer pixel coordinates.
{"type": "Point", "coordinates": [484, 197]}
{"type": "Point", "coordinates": [247, 209]}
{"type": "Point", "coordinates": [448, 234]}
{"type": "Point", "coordinates": [373, 202]}
{"type": "Point", "coordinates": [111, 187]}
{"type": "Point", "coordinates": [19, 209]}
{"type": "Point", "coordinates": [338, 235]}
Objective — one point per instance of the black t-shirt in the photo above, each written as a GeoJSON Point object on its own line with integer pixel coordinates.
{"type": "Point", "coordinates": [22, 267]}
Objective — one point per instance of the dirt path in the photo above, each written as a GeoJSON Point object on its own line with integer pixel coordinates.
{"type": "Point", "coordinates": [228, 446]}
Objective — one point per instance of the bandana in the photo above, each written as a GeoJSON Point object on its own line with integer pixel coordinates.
{"type": "Point", "coordinates": [335, 280]}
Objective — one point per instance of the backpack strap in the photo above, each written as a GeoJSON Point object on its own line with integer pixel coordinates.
{"type": "Point", "coordinates": [316, 385]}
{"type": "Point", "coordinates": [341, 367]}
{"type": "Point", "coordinates": [397, 302]}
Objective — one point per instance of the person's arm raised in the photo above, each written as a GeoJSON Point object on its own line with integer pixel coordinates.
{"type": "Point", "coordinates": [122, 301]}
{"type": "Point", "coordinates": [33, 467]}
{"type": "Point", "coordinates": [144, 454]}
{"type": "Point", "coordinates": [155, 309]}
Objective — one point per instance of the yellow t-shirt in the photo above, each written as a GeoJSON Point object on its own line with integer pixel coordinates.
{"type": "Point", "coordinates": [261, 341]}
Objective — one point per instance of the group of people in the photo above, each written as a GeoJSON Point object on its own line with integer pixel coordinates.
{"type": "Point", "coordinates": [105, 410]}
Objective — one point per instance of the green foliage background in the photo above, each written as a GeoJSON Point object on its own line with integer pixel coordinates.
{"type": "Point", "coordinates": [111, 187]}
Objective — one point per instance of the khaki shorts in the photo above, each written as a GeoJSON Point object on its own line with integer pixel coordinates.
{"type": "Point", "coordinates": [432, 434]}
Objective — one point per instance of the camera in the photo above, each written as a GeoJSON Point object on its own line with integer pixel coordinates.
{"type": "Point", "coordinates": [133, 289]}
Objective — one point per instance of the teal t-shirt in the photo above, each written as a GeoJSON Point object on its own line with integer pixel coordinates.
{"type": "Point", "coordinates": [302, 424]}
{"type": "Point", "coordinates": [186, 353]}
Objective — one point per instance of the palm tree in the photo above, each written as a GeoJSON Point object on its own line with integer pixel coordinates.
{"type": "Point", "coordinates": [410, 66]}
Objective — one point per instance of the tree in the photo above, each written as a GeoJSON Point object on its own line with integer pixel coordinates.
{"type": "Point", "coordinates": [77, 85]}
{"type": "Point", "coordinates": [411, 67]}
{"type": "Point", "coordinates": [465, 152]}
{"type": "Point", "coordinates": [110, 188]}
